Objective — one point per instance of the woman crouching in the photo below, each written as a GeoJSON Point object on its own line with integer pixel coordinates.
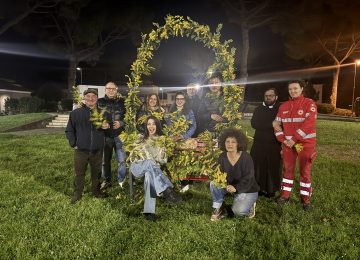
{"type": "Point", "coordinates": [238, 165]}
{"type": "Point", "coordinates": [145, 160]}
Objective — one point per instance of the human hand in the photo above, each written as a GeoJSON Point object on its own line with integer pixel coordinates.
{"type": "Point", "coordinates": [162, 154]}
{"type": "Point", "coordinates": [116, 124]}
{"type": "Point", "coordinates": [217, 118]}
{"type": "Point", "coordinates": [105, 125]}
{"type": "Point", "coordinates": [230, 189]}
{"type": "Point", "coordinates": [289, 143]}
{"type": "Point", "coordinates": [177, 138]}
{"type": "Point", "coordinates": [277, 126]}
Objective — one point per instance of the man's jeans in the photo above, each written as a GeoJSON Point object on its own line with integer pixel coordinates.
{"type": "Point", "coordinates": [155, 182]}
{"type": "Point", "coordinates": [242, 204]}
{"type": "Point", "coordinates": [112, 143]}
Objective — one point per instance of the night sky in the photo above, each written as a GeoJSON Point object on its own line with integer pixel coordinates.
{"type": "Point", "coordinates": [23, 59]}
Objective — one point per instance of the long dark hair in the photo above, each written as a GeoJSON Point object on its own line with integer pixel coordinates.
{"type": "Point", "coordinates": [158, 126]}
{"type": "Point", "coordinates": [185, 109]}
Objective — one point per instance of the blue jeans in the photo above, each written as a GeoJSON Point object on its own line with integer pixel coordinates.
{"type": "Point", "coordinates": [154, 184]}
{"type": "Point", "coordinates": [242, 203]}
{"type": "Point", "coordinates": [112, 143]}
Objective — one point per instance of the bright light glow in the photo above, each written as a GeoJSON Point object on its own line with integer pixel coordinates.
{"type": "Point", "coordinates": [161, 89]}
{"type": "Point", "coordinates": [357, 62]}
{"type": "Point", "coordinates": [78, 68]}
{"type": "Point", "coordinates": [278, 76]}
{"type": "Point", "coordinates": [28, 50]}
{"type": "Point", "coordinates": [197, 86]}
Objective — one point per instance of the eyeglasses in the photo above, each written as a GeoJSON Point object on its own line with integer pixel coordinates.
{"type": "Point", "coordinates": [179, 99]}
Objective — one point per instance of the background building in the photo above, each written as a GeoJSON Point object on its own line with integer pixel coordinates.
{"type": "Point", "coordinates": [10, 89]}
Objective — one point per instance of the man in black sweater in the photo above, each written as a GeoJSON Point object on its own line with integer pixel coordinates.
{"type": "Point", "coordinates": [266, 149]}
{"type": "Point", "coordinates": [88, 142]}
{"type": "Point", "coordinates": [114, 114]}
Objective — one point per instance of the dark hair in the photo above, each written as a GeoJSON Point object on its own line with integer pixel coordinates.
{"type": "Point", "coordinates": [301, 82]}
{"type": "Point", "coordinates": [273, 89]}
{"type": "Point", "coordinates": [112, 82]}
{"type": "Point", "coordinates": [215, 74]}
{"type": "Point", "coordinates": [148, 97]}
{"type": "Point", "coordinates": [158, 126]}
{"type": "Point", "coordinates": [240, 137]}
{"type": "Point", "coordinates": [173, 106]}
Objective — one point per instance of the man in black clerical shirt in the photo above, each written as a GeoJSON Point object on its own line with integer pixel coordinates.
{"type": "Point", "coordinates": [266, 149]}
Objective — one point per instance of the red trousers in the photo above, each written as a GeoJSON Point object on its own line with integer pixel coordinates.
{"type": "Point", "coordinates": [306, 158]}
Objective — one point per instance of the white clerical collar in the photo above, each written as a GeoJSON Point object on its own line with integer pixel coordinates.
{"type": "Point", "coordinates": [268, 106]}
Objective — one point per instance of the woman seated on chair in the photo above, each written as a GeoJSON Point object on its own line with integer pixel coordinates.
{"type": "Point", "coordinates": [238, 165]}
{"type": "Point", "coordinates": [145, 160]}
{"type": "Point", "coordinates": [151, 105]}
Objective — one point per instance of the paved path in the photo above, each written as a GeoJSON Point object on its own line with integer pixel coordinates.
{"type": "Point", "coordinates": [40, 131]}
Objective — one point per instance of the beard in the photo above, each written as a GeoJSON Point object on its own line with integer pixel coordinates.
{"type": "Point", "coordinates": [269, 103]}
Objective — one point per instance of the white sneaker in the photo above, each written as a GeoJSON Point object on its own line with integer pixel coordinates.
{"type": "Point", "coordinates": [252, 211]}
{"type": "Point", "coordinates": [121, 183]}
{"type": "Point", "coordinates": [185, 188]}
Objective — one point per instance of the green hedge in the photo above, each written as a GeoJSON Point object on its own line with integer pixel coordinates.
{"type": "Point", "coordinates": [342, 112]}
{"type": "Point", "coordinates": [324, 108]}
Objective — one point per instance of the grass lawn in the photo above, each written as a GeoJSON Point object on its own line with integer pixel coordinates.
{"type": "Point", "coordinates": [8, 122]}
{"type": "Point", "coordinates": [37, 220]}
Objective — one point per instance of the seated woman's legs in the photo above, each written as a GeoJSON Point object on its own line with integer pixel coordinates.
{"type": "Point", "coordinates": [149, 199]}
{"type": "Point", "coordinates": [157, 179]}
{"type": "Point", "coordinates": [155, 182]}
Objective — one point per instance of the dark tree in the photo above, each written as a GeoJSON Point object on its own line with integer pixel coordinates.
{"type": "Point", "coordinates": [14, 12]}
{"type": "Point", "coordinates": [323, 32]}
{"type": "Point", "coordinates": [248, 15]}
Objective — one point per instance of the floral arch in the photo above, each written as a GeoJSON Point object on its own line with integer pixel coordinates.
{"type": "Point", "coordinates": [178, 26]}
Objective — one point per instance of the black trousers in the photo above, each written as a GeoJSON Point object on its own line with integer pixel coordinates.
{"type": "Point", "coordinates": [109, 147]}
{"type": "Point", "coordinates": [267, 166]}
{"type": "Point", "coordinates": [81, 160]}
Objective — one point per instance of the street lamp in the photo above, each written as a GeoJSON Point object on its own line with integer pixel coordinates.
{"type": "Point", "coordinates": [79, 69]}
{"type": "Point", "coordinates": [356, 63]}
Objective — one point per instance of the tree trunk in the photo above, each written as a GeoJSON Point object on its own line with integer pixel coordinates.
{"type": "Point", "coordinates": [72, 74]}
{"type": "Point", "coordinates": [333, 97]}
{"type": "Point", "coordinates": [244, 51]}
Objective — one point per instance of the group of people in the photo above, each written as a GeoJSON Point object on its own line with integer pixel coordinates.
{"type": "Point", "coordinates": [284, 133]}
{"type": "Point", "coordinates": [279, 129]}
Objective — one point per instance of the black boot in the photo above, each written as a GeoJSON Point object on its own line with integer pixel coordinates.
{"type": "Point", "coordinates": [101, 195]}
{"type": "Point", "coordinates": [307, 207]}
{"type": "Point", "coordinates": [150, 216]}
{"type": "Point", "coordinates": [171, 196]}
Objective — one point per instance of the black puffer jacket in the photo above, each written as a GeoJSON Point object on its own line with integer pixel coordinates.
{"type": "Point", "coordinates": [82, 133]}
{"type": "Point", "coordinates": [115, 111]}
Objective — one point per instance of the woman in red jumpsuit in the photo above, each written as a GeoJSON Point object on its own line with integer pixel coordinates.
{"type": "Point", "coordinates": [295, 129]}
